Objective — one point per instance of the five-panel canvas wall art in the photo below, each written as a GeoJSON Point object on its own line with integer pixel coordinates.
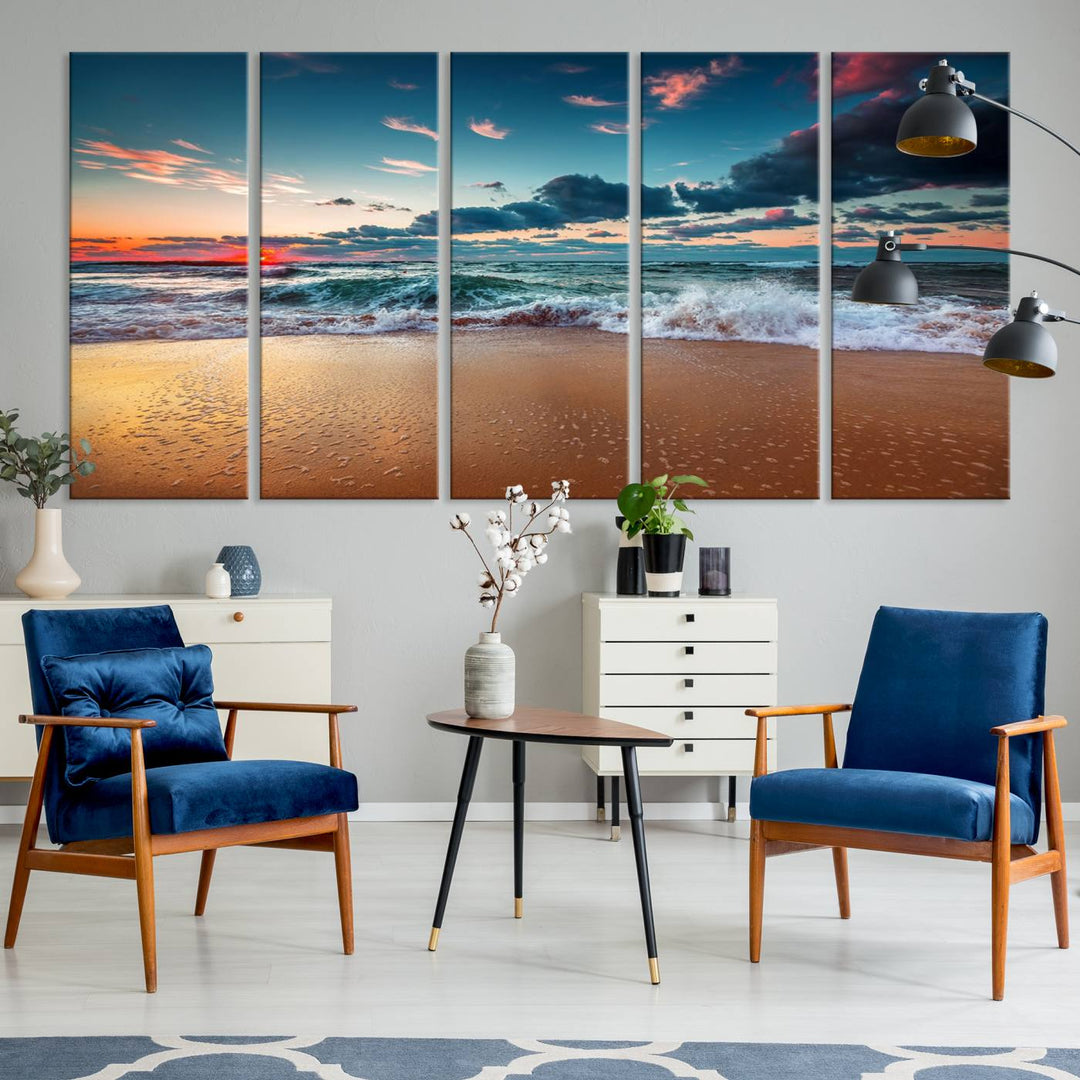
{"type": "Point", "coordinates": [345, 318]}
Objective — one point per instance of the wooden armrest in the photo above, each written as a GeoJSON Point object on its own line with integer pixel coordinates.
{"type": "Point", "coordinates": [279, 706]}
{"type": "Point", "coordinates": [798, 710]}
{"type": "Point", "coordinates": [87, 721]}
{"type": "Point", "coordinates": [1029, 727]}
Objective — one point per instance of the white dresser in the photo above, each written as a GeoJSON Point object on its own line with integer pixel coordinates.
{"type": "Point", "coordinates": [266, 648]}
{"type": "Point", "coordinates": [686, 666]}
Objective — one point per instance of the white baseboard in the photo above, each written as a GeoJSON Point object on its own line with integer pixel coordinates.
{"type": "Point", "coordinates": [12, 814]}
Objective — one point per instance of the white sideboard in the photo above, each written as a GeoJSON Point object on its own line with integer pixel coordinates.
{"type": "Point", "coordinates": [687, 666]}
{"type": "Point", "coordinates": [266, 648]}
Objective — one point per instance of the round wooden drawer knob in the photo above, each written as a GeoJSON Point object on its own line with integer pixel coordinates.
{"type": "Point", "coordinates": [238, 616]}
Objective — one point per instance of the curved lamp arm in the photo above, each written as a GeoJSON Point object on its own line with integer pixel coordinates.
{"type": "Point", "coordinates": [1007, 251]}
{"type": "Point", "coordinates": [921, 246]}
{"type": "Point", "coordinates": [1016, 112]}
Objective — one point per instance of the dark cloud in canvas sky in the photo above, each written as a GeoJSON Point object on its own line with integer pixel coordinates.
{"type": "Point", "coordinates": [571, 199]}
{"type": "Point", "coordinates": [779, 177]}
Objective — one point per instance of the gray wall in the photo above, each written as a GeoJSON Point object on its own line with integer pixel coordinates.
{"type": "Point", "coordinates": [402, 584]}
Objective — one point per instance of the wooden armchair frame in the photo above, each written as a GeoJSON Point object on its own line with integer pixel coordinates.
{"type": "Point", "coordinates": [1009, 862]}
{"type": "Point", "coordinates": [132, 857]}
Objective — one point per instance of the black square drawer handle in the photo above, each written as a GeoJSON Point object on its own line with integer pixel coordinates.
{"type": "Point", "coordinates": [688, 684]}
{"type": "Point", "coordinates": [689, 616]}
{"type": "Point", "coordinates": [688, 747]}
{"type": "Point", "coordinates": [689, 650]}
{"type": "Point", "coordinates": [688, 715]}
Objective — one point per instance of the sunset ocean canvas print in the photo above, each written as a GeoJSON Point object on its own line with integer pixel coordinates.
{"type": "Point", "coordinates": [730, 312]}
{"type": "Point", "coordinates": [539, 282]}
{"type": "Point", "coordinates": [915, 413]}
{"type": "Point", "coordinates": [158, 293]}
{"type": "Point", "coordinates": [349, 279]}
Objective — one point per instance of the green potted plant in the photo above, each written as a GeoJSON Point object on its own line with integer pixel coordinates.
{"type": "Point", "coordinates": [653, 509]}
{"type": "Point", "coordinates": [39, 466]}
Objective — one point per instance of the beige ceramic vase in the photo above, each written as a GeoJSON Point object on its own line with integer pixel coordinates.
{"type": "Point", "coordinates": [48, 575]}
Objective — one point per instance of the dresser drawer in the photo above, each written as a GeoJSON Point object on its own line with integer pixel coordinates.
{"type": "Point", "coordinates": [678, 657]}
{"type": "Point", "coordinates": [692, 723]}
{"type": "Point", "coordinates": [709, 757]}
{"type": "Point", "coordinates": [746, 691]}
{"type": "Point", "coordinates": [688, 620]}
{"type": "Point", "coordinates": [214, 621]}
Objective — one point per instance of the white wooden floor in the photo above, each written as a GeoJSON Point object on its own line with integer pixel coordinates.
{"type": "Point", "coordinates": [911, 966]}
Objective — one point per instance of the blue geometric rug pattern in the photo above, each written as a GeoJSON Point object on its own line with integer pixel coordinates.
{"type": "Point", "coordinates": [289, 1058]}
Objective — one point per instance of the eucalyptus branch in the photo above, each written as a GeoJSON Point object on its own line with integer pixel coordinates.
{"type": "Point", "coordinates": [39, 467]}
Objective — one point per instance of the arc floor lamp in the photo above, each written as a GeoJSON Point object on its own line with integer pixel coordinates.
{"type": "Point", "coordinates": [941, 124]}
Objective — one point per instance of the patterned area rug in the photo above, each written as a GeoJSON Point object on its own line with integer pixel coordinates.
{"type": "Point", "coordinates": [283, 1058]}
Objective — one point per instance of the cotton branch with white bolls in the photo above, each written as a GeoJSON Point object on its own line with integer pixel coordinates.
{"type": "Point", "coordinates": [514, 553]}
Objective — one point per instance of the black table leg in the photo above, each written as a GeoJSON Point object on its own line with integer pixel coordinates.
{"type": "Point", "coordinates": [615, 800]}
{"type": "Point", "coordinates": [519, 825]}
{"type": "Point", "coordinates": [731, 798]}
{"type": "Point", "coordinates": [600, 798]}
{"type": "Point", "coordinates": [637, 827]}
{"type": "Point", "coordinates": [468, 778]}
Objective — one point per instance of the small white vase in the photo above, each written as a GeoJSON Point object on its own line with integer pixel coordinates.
{"type": "Point", "coordinates": [489, 679]}
{"type": "Point", "coordinates": [218, 582]}
{"type": "Point", "coordinates": [48, 575]}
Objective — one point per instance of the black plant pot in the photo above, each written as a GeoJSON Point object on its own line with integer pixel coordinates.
{"type": "Point", "coordinates": [664, 555]}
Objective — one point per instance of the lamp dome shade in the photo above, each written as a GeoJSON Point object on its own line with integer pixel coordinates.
{"type": "Point", "coordinates": [885, 281]}
{"type": "Point", "coordinates": [937, 125]}
{"type": "Point", "coordinates": [1022, 348]}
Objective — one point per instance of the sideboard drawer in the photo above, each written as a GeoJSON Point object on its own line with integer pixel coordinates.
{"type": "Point", "coordinates": [214, 621]}
{"type": "Point", "coordinates": [709, 757]}
{"type": "Point", "coordinates": [691, 723]}
{"type": "Point", "coordinates": [687, 690]}
{"type": "Point", "coordinates": [688, 620]}
{"type": "Point", "coordinates": [703, 657]}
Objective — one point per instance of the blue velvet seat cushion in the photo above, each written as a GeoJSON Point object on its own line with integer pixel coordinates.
{"type": "Point", "coordinates": [206, 795]}
{"type": "Point", "coordinates": [172, 686]}
{"type": "Point", "coordinates": [921, 804]}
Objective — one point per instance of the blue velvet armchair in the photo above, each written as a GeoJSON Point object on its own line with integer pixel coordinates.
{"type": "Point", "coordinates": [132, 763]}
{"type": "Point", "coordinates": [947, 751]}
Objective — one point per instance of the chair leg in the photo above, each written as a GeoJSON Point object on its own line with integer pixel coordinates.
{"type": "Point", "coordinates": [1055, 829]}
{"type": "Point", "coordinates": [27, 841]}
{"type": "Point", "coordinates": [757, 888]}
{"type": "Point", "coordinates": [206, 871]}
{"type": "Point", "coordinates": [144, 861]}
{"type": "Point", "coordinates": [343, 869]}
{"type": "Point", "coordinates": [144, 885]}
{"type": "Point", "coordinates": [1000, 919]}
{"type": "Point", "coordinates": [839, 859]}
{"type": "Point", "coordinates": [1000, 871]}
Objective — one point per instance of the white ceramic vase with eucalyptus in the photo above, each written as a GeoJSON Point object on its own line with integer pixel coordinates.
{"type": "Point", "coordinates": [39, 466]}
{"type": "Point", "coordinates": [490, 668]}
{"type": "Point", "coordinates": [48, 575]}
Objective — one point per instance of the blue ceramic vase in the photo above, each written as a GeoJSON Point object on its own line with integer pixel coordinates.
{"type": "Point", "coordinates": [244, 573]}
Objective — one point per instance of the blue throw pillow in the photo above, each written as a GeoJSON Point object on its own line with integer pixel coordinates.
{"type": "Point", "coordinates": [172, 686]}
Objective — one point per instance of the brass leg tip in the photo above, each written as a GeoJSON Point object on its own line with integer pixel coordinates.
{"type": "Point", "coordinates": [654, 971]}
{"type": "Point", "coordinates": [731, 813]}
{"type": "Point", "coordinates": [616, 832]}
{"type": "Point", "coordinates": [433, 940]}
{"type": "Point", "coordinates": [519, 907]}
{"type": "Point", "coordinates": [600, 813]}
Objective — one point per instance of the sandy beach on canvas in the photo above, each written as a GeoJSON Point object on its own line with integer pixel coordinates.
{"type": "Point", "coordinates": [741, 414]}
{"type": "Point", "coordinates": [166, 419]}
{"type": "Point", "coordinates": [918, 426]}
{"type": "Point", "coordinates": [350, 416]}
{"type": "Point", "coordinates": [532, 405]}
